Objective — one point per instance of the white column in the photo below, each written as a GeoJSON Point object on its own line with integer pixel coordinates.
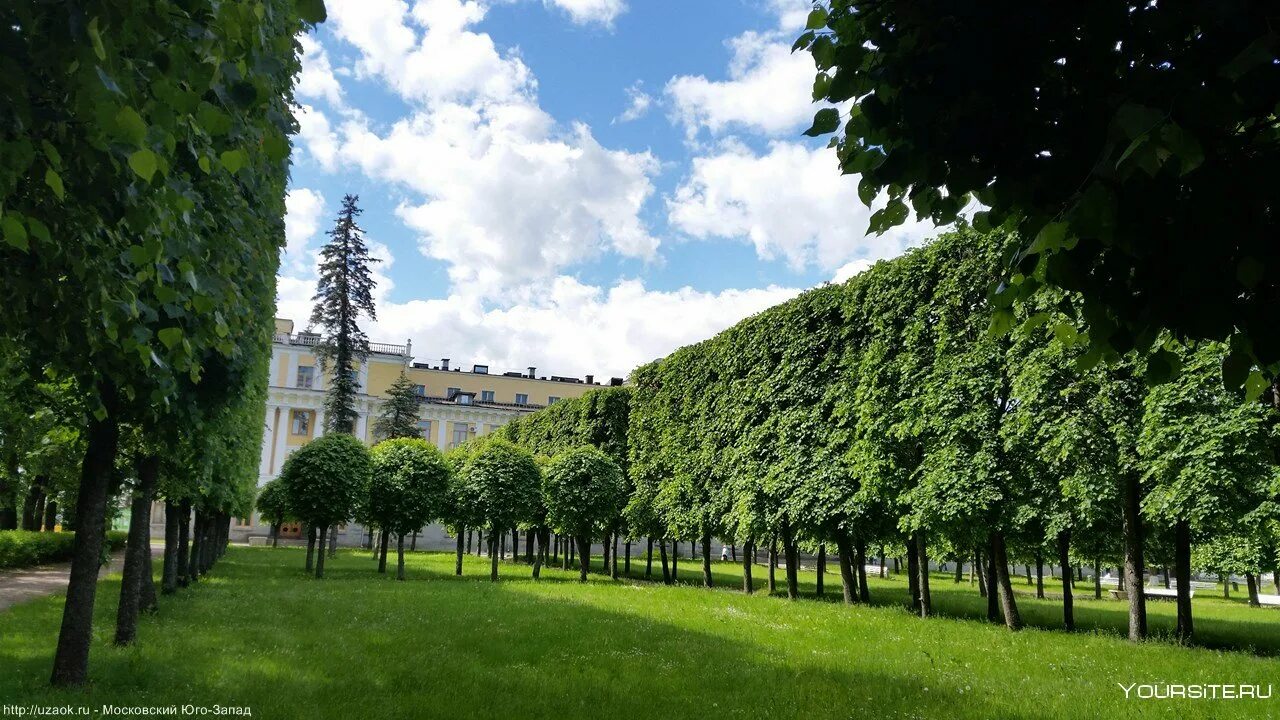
{"type": "Point", "coordinates": [264, 459]}
{"type": "Point", "coordinates": [319, 423]}
{"type": "Point", "coordinates": [283, 428]}
{"type": "Point", "coordinates": [440, 434]}
{"type": "Point", "coordinates": [361, 422]}
{"type": "Point", "coordinates": [291, 370]}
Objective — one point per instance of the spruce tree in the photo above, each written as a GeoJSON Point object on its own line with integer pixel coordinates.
{"type": "Point", "coordinates": [399, 415]}
{"type": "Point", "coordinates": [344, 290]}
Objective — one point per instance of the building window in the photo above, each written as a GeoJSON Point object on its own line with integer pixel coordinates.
{"type": "Point", "coordinates": [522, 399]}
{"type": "Point", "coordinates": [448, 394]}
{"type": "Point", "coordinates": [552, 400]}
{"type": "Point", "coordinates": [461, 433]}
{"type": "Point", "coordinates": [243, 522]}
{"type": "Point", "coordinates": [464, 398]}
{"type": "Point", "coordinates": [300, 421]}
{"type": "Point", "coordinates": [419, 390]}
{"type": "Point", "coordinates": [486, 396]}
{"type": "Point", "coordinates": [424, 428]}
{"type": "Point", "coordinates": [480, 369]}
{"type": "Point", "coordinates": [306, 376]}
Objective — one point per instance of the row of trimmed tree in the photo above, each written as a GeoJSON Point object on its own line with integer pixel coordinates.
{"type": "Point", "coordinates": [891, 415]}
{"type": "Point", "coordinates": [141, 225]}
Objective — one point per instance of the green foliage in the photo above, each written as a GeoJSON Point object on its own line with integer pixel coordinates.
{"type": "Point", "coordinates": [1115, 154]}
{"type": "Point", "coordinates": [409, 486]}
{"type": "Point", "coordinates": [398, 417]}
{"type": "Point", "coordinates": [22, 548]}
{"type": "Point", "coordinates": [273, 502]}
{"type": "Point", "coordinates": [326, 479]}
{"type": "Point", "coordinates": [584, 491]}
{"type": "Point", "coordinates": [502, 483]}
{"type": "Point", "coordinates": [344, 291]}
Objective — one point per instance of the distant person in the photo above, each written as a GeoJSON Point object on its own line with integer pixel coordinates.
{"type": "Point", "coordinates": [724, 552]}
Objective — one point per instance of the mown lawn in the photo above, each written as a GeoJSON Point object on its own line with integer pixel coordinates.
{"type": "Point", "coordinates": [259, 633]}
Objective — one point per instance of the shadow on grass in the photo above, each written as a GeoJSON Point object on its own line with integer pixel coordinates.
{"type": "Point", "coordinates": [257, 633]}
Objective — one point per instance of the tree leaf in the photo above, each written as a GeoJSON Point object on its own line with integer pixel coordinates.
{"type": "Point", "coordinates": [143, 162]}
{"type": "Point", "coordinates": [15, 233]}
{"type": "Point", "coordinates": [817, 19]}
{"type": "Point", "coordinates": [311, 11]}
{"type": "Point", "coordinates": [232, 160]}
{"type": "Point", "coordinates": [54, 181]}
{"type": "Point", "coordinates": [826, 120]}
{"type": "Point", "coordinates": [95, 37]}
{"type": "Point", "coordinates": [130, 126]}
{"type": "Point", "coordinates": [170, 336]}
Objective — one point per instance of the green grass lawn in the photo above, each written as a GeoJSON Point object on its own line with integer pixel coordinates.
{"type": "Point", "coordinates": [358, 645]}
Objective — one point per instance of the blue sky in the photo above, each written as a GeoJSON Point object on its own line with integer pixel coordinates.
{"type": "Point", "coordinates": [581, 185]}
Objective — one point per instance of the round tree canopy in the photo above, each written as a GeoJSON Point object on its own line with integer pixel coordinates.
{"type": "Point", "coordinates": [326, 478]}
{"type": "Point", "coordinates": [409, 486]}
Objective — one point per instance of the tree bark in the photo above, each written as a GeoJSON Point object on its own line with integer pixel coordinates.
{"type": "Point", "coordinates": [383, 545]}
{"type": "Point", "coordinates": [400, 556]}
{"type": "Point", "coordinates": [613, 556]}
{"type": "Point", "coordinates": [913, 574]}
{"type": "Point", "coordinates": [515, 544]}
{"type": "Point", "coordinates": [71, 660]}
{"type": "Point", "coordinates": [496, 536]}
{"type": "Point", "coordinates": [195, 569]}
{"type": "Point", "coordinates": [1068, 601]}
{"type": "Point", "coordinates": [706, 560]}
{"type": "Point", "coordinates": [626, 558]}
{"type": "Point", "coordinates": [922, 560]}
{"type": "Point", "coordinates": [793, 563]}
{"type": "Point", "coordinates": [539, 552]}
{"type": "Point", "coordinates": [169, 583]}
{"type": "Point", "coordinates": [1182, 562]}
{"type": "Point", "coordinates": [311, 547]}
{"type": "Point", "coordinates": [137, 548]}
{"type": "Point", "coordinates": [584, 553]}
{"type": "Point", "coordinates": [648, 563]}
{"type": "Point", "coordinates": [773, 566]}
{"type": "Point", "coordinates": [1226, 585]}
{"type": "Point", "coordinates": [322, 535]}
{"type": "Point", "coordinates": [184, 542]}
{"type": "Point", "coordinates": [333, 541]}
{"type": "Point", "coordinates": [848, 581]}
{"type": "Point", "coordinates": [457, 567]}
{"type": "Point", "coordinates": [980, 572]}
{"type": "Point", "coordinates": [860, 569]}
{"type": "Point", "coordinates": [822, 569]}
{"type": "Point", "coordinates": [959, 571]}
{"type": "Point", "coordinates": [1133, 557]}
{"type": "Point", "coordinates": [675, 561]}
{"type": "Point", "coordinates": [1066, 572]}
{"type": "Point", "coordinates": [50, 515]}
{"type": "Point", "coordinates": [662, 550]}
{"type": "Point", "coordinates": [748, 583]}
{"type": "Point", "coordinates": [1251, 582]}
{"type": "Point", "coordinates": [1008, 603]}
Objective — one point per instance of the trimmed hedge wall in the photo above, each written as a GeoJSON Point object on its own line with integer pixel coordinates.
{"type": "Point", "coordinates": [24, 548]}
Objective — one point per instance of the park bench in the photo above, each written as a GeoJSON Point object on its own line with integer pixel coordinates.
{"type": "Point", "coordinates": [259, 540]}
{"type": "Point", "coordinates": [1269, 600]}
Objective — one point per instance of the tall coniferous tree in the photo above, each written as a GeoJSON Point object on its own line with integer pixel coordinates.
{"type": "Point", "coordinates": [399, 415]}
{"type": "Point", "coordinates": [343, 292]}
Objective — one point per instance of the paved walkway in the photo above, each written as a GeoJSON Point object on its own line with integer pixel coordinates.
{"type": "Point", "coordinates": [23, 584]}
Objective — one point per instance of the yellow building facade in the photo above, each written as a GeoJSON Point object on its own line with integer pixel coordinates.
{"type": "Point", "coordinates": [457, 402]}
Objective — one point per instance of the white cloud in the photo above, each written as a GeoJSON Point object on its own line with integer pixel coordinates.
{"type": "Point", "coordinates": [790, 202]}
{"type": "Point", "coordinates": [428, 52]}
{"type": "Point", "coordinates": [319, 140]}
{"type": "Point", "coordinates": [638, 103]}
{"type": "Point", "coordinates": [564, 328]}
{"type": "Point", "coordinates": [582, 12]}
{"type": "Point", "coordinates": [851, 268]}
{"type": "Point", "coordinates": [768, 90]}
{"type": "Point", "coordinates": [317, 80]}
{"type": "Point", "coordinates": [304, 210]}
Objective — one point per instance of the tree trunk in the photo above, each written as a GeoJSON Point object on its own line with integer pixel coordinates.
{"type": "Point", "coordinates": [706, 560]}
{"type": "Point", "coordinates": [71, 661]}
{"type": "Point", "coordinates": [322, 536]}
{"type": "Point", "coordinates": [648, 563]}
{"type": "Point", "coordinates": [50, 515]}
{"type": "Point", "coordinates": [980, 572]}
{"type": "Point", "coordinates": [1182, 561]}
{"type": "Point", "coordinates": [528, 545]}
{"type": "Point", "coordinates": [137, 549]}
{"type": "Point", "coordinates": [1068, 602]}
{"type": "Point", "coordinates": [860, 569]}
{"type": "Point", "coordinates": [1133, 558]}
{"type": "Point", "coordinates": [848, 580]}
{"type": "Point", "coordinates": [922, 558]}
{"type": "Point", "coordinates": [539, 552]}
{"type": "Point", "coordinates": [675, 561]}
{"type": "Point", "coordinates": [515, 544]}
{"type": "Point", "coordinates": [169, 583]}
{"type": "Point", "coordinates": [1008, 604]}
{"type": "Point", "coordinates": [913, 574]}
{"type": "Point", "coordinates": [959, 571]}
{"type": "Point", "coordinates": [626, 558]}
{"type": "Point", "coordinates": [413, 547]}
{"type": "Point", "coordinates": [793, 563]}
{"type": "Point", "coordinates": [1226, 585]}
{"type": "Point", "coordinates": [564, 553]}
{"type": "Point", "coordinates": [400, 556]}
{"type": "Point", "coordinates": [1066, 571]}
{"type": "Point", "coordinates": [613, 557]}
{"type": "Point", "coordinates": [496, 536]}
{"type": "Point", "coordinates": [457, 567]}
{"type": "Point", "coordinates": [773, 566]}
{"type": "Point", "coordinates": [822, 569]}
{"type": "Point", "coordinates": [584, 553]}
{"type": "Point", "coordinates": [748, 583]}
{"type": "Point", "coordinates": [469, 532]}
{"type": "Point", "coordinates": [662, 550]}
{"type": "Point", "coordinates": [194, 569]}
{"type": "Point", "coordinates": [184, 542]}
{"type": "Point", "coordinates": [311, 547]}
{"type": "Point", "coordinates": [333, 541]}
{"type": "Point", "coordinates": [1251, 581]}
{"type": "Point", "coordinates": [383, 545]}
{"type": "Point", "coordinates": [1164, 576]}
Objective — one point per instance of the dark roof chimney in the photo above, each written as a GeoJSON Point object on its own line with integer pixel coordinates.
{"type": "Point", "coordinates": [590, 379]}
{"type": "Point", "coordinates": [531, 369]}
{"type": "Point", "coordinates": [444, 363]}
